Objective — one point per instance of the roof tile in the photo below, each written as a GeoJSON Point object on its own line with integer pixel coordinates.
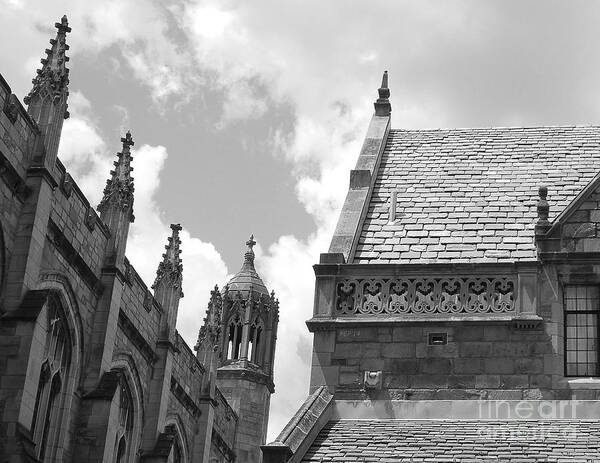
{"type": "Point", "coordinates": [467, 183]}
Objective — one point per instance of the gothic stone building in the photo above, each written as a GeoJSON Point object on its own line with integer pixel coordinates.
{"type": "Point", "coordinates": [91, 366]}
{"type": "Point", "coordinates": [456, 313]}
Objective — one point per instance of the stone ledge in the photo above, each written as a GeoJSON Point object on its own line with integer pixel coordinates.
{"type": "Point", "coordinates": [300, 432]}
{"type": "Point", "coordinates": [327, 324]}
{"type": "Point", "coordinates": [466, 409]}
{"type": "Point", "coordinates": [584, 383]}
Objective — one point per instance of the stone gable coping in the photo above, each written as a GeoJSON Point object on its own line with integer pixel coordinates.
{"type": "Point", "coordinates": [362, 180]}
{"type": "Point", "coordinates": [301, 430]}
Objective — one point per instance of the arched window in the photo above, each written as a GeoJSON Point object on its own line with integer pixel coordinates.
{"type": "Point", "coordinates": [234, 339]}
{"type": "Point", "coordinates": [255, 342]}
{"type": "Point", "coordinates": [175, 456]}
{"type": "Point", "coordinates": [125, 424]}
{"type": "Point", "coordinates": [54, 375]}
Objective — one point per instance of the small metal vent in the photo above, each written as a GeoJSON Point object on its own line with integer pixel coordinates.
{"type": "Point", "coordinates": [438, 339]}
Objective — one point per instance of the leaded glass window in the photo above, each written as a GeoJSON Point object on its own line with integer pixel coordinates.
{"type": "Point", "coordinates": [582, 315]}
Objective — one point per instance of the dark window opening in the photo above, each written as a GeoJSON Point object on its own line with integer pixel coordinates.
{"type": "Point", "coordinates": [582, 316]}
{"type": "Point", "coordinates": [235, 341]}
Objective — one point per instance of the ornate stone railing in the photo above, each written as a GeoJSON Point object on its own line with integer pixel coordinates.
{"type": "Point", "coordinates": [454, 296]}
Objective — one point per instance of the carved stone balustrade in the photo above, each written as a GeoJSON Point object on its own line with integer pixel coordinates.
{"type": "Point", "coordinates": [381, 293]}
{"type": "Point", "coordinates": [426, 295]}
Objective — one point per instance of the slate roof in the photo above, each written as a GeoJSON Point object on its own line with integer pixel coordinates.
{"type": "Point", "coordinates": [470, 195]}
{"type": "Point", "coordinates": [475, 441]}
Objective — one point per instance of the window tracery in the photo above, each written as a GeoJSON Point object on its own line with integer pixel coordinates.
{"type": "Point", "coordinates": [54, 375]}
{"type": "Point", "coordinates": [123, 439]}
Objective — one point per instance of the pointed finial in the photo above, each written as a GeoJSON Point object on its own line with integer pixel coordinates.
{"type": "Point", "coordinates": [171, 265]}
{"type": "Point", "coordinates": [53, 77]}
{"type": "Point", "coordinates": [249, 256]}
{"type": "Point", "coordinates": [211, 326]}
{"type": "Point", "coordinates": [127, 141]}
{"type": "Point", "coordinates": [543, 210]}
{"type": "Point", "coordinates": [382, 105]}
{"type": "Point", "coordinates": [63, 25]}
{"type": "Point", "coordinates": [119, 187]}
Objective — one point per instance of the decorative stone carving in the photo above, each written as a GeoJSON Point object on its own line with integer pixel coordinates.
{"type": "Point", "coordinates": [90, 219]}
{"type": "Point", "coordinates": [170, 270]}
{"type": "Point", "coordinates": [426, 296]}
{"type": "Point", "coordinates": [67, 184]}
{"type": "Point", "coordinates": [118, 192]}
{"type": "Point", "coordinates": [211, 328]}
{"type": "Point", "coordinates": [52, 80]}
{"type": "Point", "coordinates": [11, 108]}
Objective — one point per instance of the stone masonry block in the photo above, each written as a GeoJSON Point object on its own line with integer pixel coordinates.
{"type": "Point", "coordinates": [354, 350]}
{"type": "Point", "coordinates": [357, 334]}
{"type": "Point", "coordinates": [499, 365]}
{"type": "Point", "coordinates": [450, 350]}
{"type": "Point", "coordinates": [398, 350]}
{"type": "Point", "coordinates": [475, 349]}
{"type": "Point", "coordinates": [468, 366]}
{"type": "Point", "coordinates": [402, 366]}
{"type": "Point", "coordinates": [407, 334]}
{"type": "Point", "coordinates": [324, 341]}
{"type": "Point", "coordinates": [435, 366]}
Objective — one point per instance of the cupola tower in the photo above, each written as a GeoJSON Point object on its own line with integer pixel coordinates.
{"type": "Point", "coordinates": [248, 334]}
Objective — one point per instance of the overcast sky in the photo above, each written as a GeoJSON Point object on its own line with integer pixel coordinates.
{"type": "Point", "coordinates": [248, 115]}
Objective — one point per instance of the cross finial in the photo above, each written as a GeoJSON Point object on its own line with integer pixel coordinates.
{"type": "Point", "coordinates": [250, 243]}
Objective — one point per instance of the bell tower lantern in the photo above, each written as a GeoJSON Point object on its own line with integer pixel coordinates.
{"type": "Point", "coordinates": [245, 377]}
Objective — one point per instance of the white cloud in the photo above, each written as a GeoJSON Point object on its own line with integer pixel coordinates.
{"type": "Point", "coordinates": [203, 266]}
{"type": "Point", "coordinates": [85, 154]}
{"type": "Point", "coordinates": [82, 149]}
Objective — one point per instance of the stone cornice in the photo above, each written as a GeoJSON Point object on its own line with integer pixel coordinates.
{"type": "Point", "coordinates": [246, 375]}
{"type": "Point", "coordinates": [392, 270]}
{"type": "Point", "coordinates": [328, 324]}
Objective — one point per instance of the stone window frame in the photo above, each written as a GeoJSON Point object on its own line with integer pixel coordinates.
{"type": "Point", "coordinates": [256, 341]}
{"type": "Point", "coordinates": [578, 286]}
{"type": "Point", "coordinates": [234, 337]}
{"type": "Point", "coordinates": [53, 384]}
{"type": "Point", "coordinates": [124, 434]}
{"type": "Point", "coordinates": [179, 439]}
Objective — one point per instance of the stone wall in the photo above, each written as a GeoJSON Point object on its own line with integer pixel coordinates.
{"type": "Point", "coordinates": [251, 401]}
{"type": "Point", "coordinates": [478, 361]}
{"type": "Point", "coordinates": [53, 235]}
{"type": "Point", "coordinates": [517, 354]}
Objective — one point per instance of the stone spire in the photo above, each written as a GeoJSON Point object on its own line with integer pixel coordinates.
{"type": "Point", "coordinates": [167, 285]}
{"type": "Point", "coordinates": [208, 347]}
{"type": "Point", "coordinates": [116, 206]}
{"type": "Point", "coordinates": [47, 100]}
{"type": "Point", "coordinates": [118, 192]}
{"type": "Point", "coordinates": [382, 105]}
{"type": "Point", "coordinates": [171, 268]}
{"type": "Point", "coordinates": [210, 332]}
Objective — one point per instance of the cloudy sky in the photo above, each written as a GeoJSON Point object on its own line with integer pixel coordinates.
{"type": "Point", "coordinates": [248, 115]}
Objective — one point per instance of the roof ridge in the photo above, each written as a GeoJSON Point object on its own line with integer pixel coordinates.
{"type": "Point", "coordinates": [500, 127]}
